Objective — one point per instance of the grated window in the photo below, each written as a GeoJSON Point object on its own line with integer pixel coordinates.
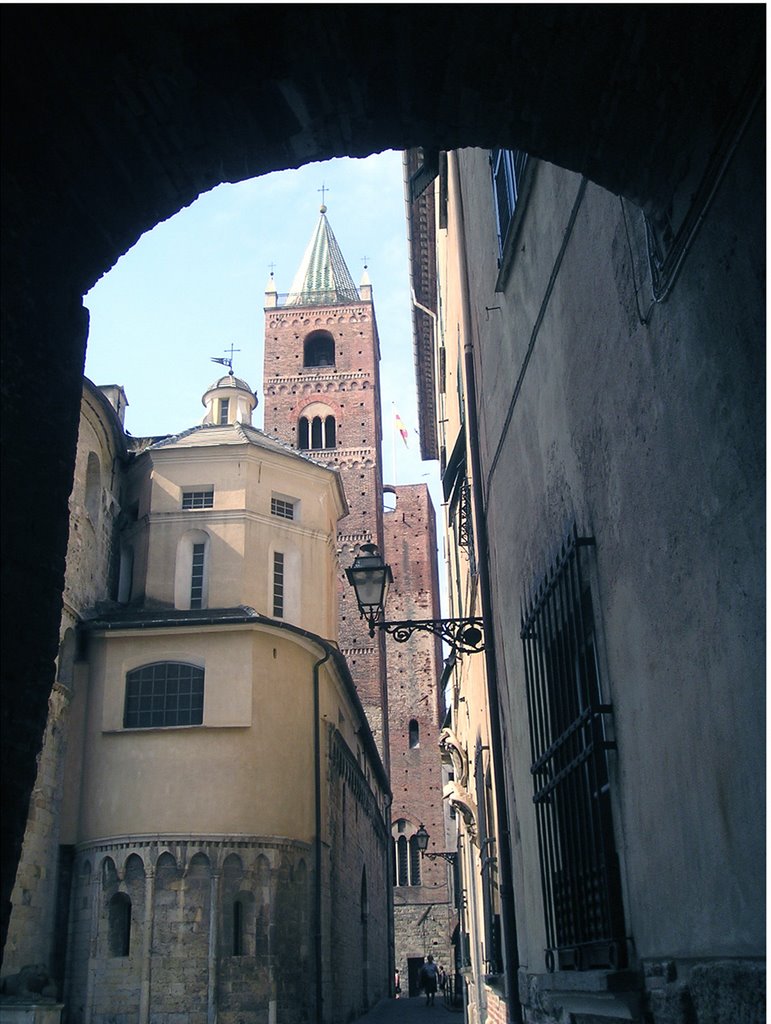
{"type": "Point", "coordinates": [163, 694]}
{"type": "Point", "coordinates": [568, 721]}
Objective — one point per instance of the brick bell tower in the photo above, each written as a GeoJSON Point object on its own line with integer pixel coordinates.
{"type": "Point", "coordinates": [322, 395]}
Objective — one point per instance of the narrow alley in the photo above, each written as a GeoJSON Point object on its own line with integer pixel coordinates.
{"type": "Point", "coordinates": [411, 1011]}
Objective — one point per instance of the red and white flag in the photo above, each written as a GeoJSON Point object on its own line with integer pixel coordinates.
{"type": "Point", "coordinates": [401, 428]}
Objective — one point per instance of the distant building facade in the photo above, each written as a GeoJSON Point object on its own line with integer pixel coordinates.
{"type": "Point", "coordinates": [605, 516]}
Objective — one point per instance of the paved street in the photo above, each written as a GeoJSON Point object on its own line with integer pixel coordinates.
{"type": "Point", "coordinates": [409, 1011]}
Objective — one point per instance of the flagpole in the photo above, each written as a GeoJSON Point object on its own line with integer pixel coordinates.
{"type": "Point", "coordinates": [393, 439]}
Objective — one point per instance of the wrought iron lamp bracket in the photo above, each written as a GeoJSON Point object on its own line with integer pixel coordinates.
{"type": "Point", "coordinates": [465, 636]}
{"type": "Point", "coordinates": [450, 857]}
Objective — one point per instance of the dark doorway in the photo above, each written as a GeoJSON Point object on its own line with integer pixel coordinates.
{"type": "Point", "coordinates": [414, 963]}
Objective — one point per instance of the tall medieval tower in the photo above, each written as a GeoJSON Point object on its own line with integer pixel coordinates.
{"type": "Point", "coordinates": [322, 396]}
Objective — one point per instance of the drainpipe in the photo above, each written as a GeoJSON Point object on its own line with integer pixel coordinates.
{"type": "Point", "coordinates": [317, 852]}
{"type": "Point", "coordinates": [508, 919]}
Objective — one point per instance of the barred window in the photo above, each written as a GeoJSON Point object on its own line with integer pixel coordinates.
{"type": "Point", "coordinates": [198, 499]}
{"type": "Point", "coordinates": [568, 720]}
{"type": "Point", "coordinates": [224, 408]}
{"type": "Point", "coordinates": [282, 507]}
{"type": "Point", "coordinates": [162, 694]}
{"type": "Point", "coordinates": [196, 576]}
{"type": "Point", "coordinates": [278, 584]}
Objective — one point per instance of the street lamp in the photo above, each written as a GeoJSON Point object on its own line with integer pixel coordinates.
{"type": "Point", "coordinates": [370, 577]}
{"type": "Point", "coordinates": [421, 841]}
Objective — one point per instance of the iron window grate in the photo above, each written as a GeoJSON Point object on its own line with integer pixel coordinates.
{"type": "Point", "coordinates": [568, 721]}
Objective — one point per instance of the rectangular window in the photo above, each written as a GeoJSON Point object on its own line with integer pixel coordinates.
{"type": "Point", "coordinates": [278, 584]}
{"type": "Point", "coordinates": [198, 499]}
{"type": "Point", "coordinates": [163, 694]}
{"type": "Point", "coordinates": [282, 507]}
{"type": "Point", "coordinates": [568, 720]}
{"type": "Point", "coordinates": [196, 576]}
{"type": "Point", "coordinates": [508, 166]}
{"type": "Point", "coordinates": [224, 406]}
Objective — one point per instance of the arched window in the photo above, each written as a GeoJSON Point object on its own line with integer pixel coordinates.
{"type": "Point", "coordinates": [319, 349]}
{"type": "Point", "coordinates": [66, 661]}
{"type": "Point", "coordinates": [125, 574]}
{"type": "Point", "coordinates": [414, 734]}
{"type": "Point", "coordinates": [316, 428]}
{"type": "Point", "coordinates": [238, 928]}
{"type": "Point", "coordinates": [93, 486]}
{"type": "Point", "coordinates": [402, 862]}
{"type": "Point", "coordinates": [163, 694]}
{"type": "Point", "coordinates": [119, 925]}
{"type": "Point", "coordinates": [317, 433]}
{"type": "Point", "coordinates": [414, 861]}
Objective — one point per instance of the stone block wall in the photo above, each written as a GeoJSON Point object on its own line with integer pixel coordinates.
{"type": "Point", "coordinates": [94, 507]}
{"type": "Point", "coordinates": [190, 952]}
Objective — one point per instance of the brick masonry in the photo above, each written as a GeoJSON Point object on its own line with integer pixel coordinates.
{"type": "Point", "coordinates": [423, 915]}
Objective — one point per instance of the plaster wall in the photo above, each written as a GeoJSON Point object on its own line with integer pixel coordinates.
{"type": "Point", "coordinates": [242, 533]}
{"type": "Point", "coordinates": [648, 436]}
{"type": "Point", "coordinates": [258, 691]}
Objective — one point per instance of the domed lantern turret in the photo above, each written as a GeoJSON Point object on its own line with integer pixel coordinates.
{"type": "Point", "coordinates": [229, 400]}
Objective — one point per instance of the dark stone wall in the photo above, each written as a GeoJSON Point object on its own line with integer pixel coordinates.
{"type": "Point", "coordinates": [116, 117]}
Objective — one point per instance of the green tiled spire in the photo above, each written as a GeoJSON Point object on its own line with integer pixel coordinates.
{"type": "Point", "coordinates": [322, 276]}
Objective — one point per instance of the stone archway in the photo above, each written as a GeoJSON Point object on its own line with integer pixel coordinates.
{"type": "Point", "coordinates": [115, 117]}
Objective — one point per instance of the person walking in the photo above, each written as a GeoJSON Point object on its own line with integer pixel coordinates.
{"type": "Point", "coordinates": [429, 975]}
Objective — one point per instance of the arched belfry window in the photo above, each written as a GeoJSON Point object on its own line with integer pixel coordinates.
{"type": "Point", "coordinates": [316, 428]}
{"type": "Point", "coordinates": [319, 349]}
{"type": "Point", "coordinates": [317, 433]}
{"type": "Point", "coordinates": [303, 441]}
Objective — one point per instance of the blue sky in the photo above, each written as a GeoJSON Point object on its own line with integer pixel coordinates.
{"type": "Point", "coordinates": [195, 284]}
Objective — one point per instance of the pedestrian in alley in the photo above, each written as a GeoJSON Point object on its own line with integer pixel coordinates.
{"type": "Point", "coordinates": [442, 980]}
{"type": "Point", "coordinates": [429, 974]}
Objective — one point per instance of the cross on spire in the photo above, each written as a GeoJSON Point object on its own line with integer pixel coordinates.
{"type": "Point", "coordinates": [323, 190]}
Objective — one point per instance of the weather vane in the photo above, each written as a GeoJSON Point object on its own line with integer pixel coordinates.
{"type": "Point", "coordinates": [227, 361]}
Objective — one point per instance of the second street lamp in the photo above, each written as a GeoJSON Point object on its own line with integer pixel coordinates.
{"type": "Point", "coordinates": [421, 837]}
{"type": "Point", "coordinates": [370, 576]}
